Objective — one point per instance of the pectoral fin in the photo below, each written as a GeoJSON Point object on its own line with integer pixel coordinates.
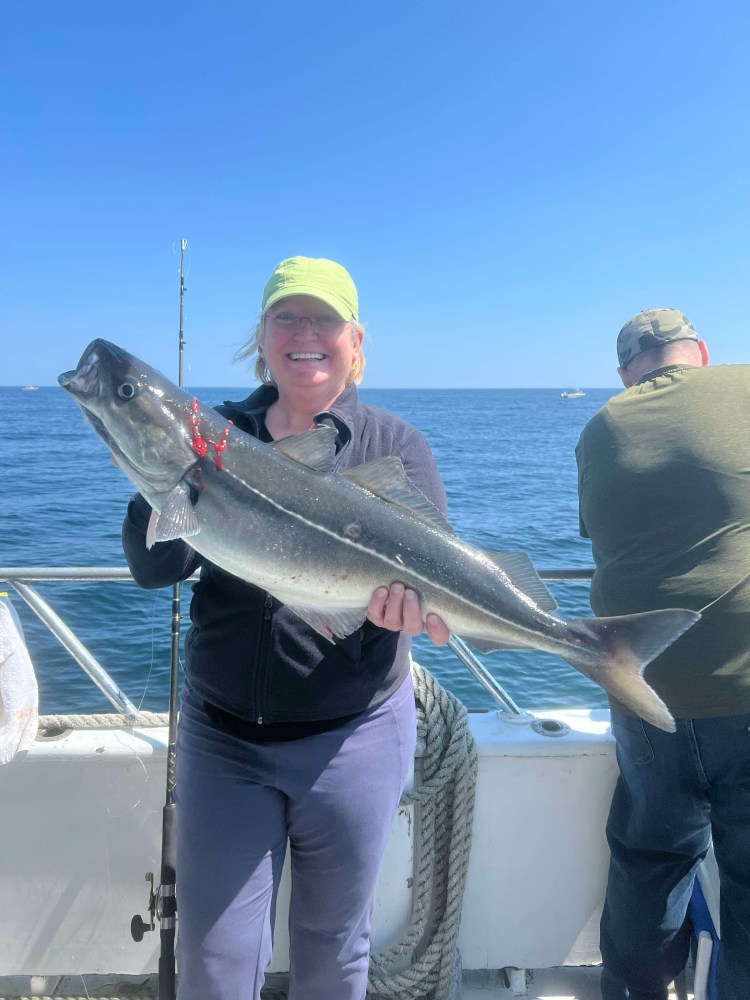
{"type": "Point", "coordinates": [176, 520]}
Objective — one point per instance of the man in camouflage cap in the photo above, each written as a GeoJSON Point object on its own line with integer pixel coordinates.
{"type": "Point", "coordinates": [652, 328]}
{"type": "Point", "coordinates": [664, 490]}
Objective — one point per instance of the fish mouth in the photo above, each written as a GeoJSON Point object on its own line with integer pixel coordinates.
{"type": "Point", "coordinates": [84, 382]}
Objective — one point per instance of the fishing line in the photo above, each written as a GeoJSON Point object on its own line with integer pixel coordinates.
{"type": "Point", "coordinates": [156, 597]}
{"type": "Point", "coordinates": [137, 754]}
{"type": "Point", "coordinates": [735, 587]}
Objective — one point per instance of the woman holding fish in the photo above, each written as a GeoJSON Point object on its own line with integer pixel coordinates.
{"type": "Point", "coordinates": [287, 733]}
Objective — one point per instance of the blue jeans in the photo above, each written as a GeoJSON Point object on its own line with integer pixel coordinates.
{"type": "Point", "coordinates": [334, 796]}
{"type": "Point", "coordinates": [676, 791]}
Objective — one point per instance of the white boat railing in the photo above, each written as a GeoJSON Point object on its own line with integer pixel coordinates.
{"type": "Point", "coordinates": [21, 578]}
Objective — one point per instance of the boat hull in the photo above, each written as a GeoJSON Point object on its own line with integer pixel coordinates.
{"type": "Point", "coordinates": [82, 827]}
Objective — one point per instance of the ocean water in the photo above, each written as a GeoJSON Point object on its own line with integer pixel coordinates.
{"type": "Point", "coordinates": [507, 460]}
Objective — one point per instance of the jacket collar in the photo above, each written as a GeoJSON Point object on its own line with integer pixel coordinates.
{"type": "Point", "coordinates": [666, 370]}
{"type": "Point", "coordinates": [340, 415]}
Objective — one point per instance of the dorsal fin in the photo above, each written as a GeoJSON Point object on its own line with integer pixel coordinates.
{"type": "Point", "coordinates": [315, 449]}
{"type": "Point", "coordinates": [520, 569]}
{"type": "Point", "coordinates": [385, 477]}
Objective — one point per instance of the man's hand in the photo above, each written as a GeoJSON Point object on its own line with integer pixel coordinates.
{"type": "Point", "coordinates": [398, 609]}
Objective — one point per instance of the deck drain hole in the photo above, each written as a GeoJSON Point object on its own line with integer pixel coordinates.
{"type": "Point", "coordinates": [53, 733]}
{"type": "Point", "coordinates": [550, 727]}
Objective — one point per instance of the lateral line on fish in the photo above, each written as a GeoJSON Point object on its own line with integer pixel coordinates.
{"type": "Point", "coordinates": [390, 562]}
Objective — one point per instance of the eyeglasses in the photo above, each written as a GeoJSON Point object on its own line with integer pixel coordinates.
{"type": "Point", "coordinates": [287, 321]}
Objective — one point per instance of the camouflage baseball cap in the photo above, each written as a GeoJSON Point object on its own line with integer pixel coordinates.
{"type": "Point", "coordinates": [652, 328]}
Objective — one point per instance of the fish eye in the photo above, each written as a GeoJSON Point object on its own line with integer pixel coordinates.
{"type": "Point", "coordinates": [128, 389]}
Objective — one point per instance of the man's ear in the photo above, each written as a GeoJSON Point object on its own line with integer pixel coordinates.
{"type": "Point", "coordinates": [626, 379]}
{"type": "Point", "coordinates": [704, 352]}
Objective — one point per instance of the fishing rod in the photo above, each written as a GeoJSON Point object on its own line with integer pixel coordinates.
{"type": "Point", "coordinates": [168, 917]}
{"type": "Point", "coordinates": [163, 901]}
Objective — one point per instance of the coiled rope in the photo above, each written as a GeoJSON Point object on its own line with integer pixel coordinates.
{"type": "Point", "coordinates": [446, 801]}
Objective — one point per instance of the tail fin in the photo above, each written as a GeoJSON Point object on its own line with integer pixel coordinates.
{"type": "Point", "coordinates": [626, 645]}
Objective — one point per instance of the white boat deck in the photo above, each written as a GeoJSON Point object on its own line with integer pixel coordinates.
{"type": "Point", "coordinates": [82, 825]}
{"type": "Point", "coordinates": [566, 983]}
{"type": "Point", "coordinates": [533, 895]}
{"type": "Point", "coordinates": [542, 984]}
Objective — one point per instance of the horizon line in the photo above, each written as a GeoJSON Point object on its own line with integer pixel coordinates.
{"type": "Point", "coordinates": [384, 388]}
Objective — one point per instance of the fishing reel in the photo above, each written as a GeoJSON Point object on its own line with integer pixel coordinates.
{"type": "Point", "coordinates": [138, 926]}
{"type": "Point", "coordinates": [157, 910]}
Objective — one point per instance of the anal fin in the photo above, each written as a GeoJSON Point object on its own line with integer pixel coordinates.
{"type": "Point", "coordinates": [330, 622]}
{"type": "Point", "coordinates": [492, 645]}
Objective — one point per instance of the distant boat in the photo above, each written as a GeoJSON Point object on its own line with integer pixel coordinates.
{"type": "Point", "coordinates": [29, 388]}
{"type": "Point", "coordinates": [572, 393]}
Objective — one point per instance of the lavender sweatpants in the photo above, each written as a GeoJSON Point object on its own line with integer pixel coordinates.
{"type": "Point", "coordinates": [334, 797]}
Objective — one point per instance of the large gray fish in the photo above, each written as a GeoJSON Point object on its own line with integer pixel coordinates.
{"type": "Point", "coordinates": [275, 515]}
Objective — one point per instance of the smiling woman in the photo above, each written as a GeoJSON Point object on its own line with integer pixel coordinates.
{"type": "Point", "coordinates": [311, 357]}
{"type": "Point", "coordinates": [332, 301]}
{"type": "Point", "coordinates": [287, 733]}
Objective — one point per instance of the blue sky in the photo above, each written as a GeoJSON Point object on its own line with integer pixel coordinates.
{"type": "Point", "coordinates": [506, 182]}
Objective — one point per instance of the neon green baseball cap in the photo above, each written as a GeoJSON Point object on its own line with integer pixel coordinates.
{"type": "Point", "coordinates": [323, 279]}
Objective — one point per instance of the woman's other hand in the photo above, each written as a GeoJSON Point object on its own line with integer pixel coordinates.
{"type": "Point", "coordinates": [397, 608]}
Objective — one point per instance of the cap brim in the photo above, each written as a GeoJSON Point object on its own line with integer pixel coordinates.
{"type": "Point", "coordinates": [338, 305]}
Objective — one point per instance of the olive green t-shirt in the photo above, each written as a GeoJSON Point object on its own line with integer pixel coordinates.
{"type": "Point", "coordinates": [664, 488]}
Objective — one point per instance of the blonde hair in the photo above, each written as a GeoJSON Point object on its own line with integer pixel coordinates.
{"type": "Point", "coordinates": [261, 368]}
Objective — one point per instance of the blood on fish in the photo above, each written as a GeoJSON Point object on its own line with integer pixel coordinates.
{"type": "Point", "coordinates": [200, 444]}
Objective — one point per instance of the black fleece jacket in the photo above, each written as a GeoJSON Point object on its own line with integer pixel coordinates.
{"type": "Point", "coordinates": [249, 655]}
